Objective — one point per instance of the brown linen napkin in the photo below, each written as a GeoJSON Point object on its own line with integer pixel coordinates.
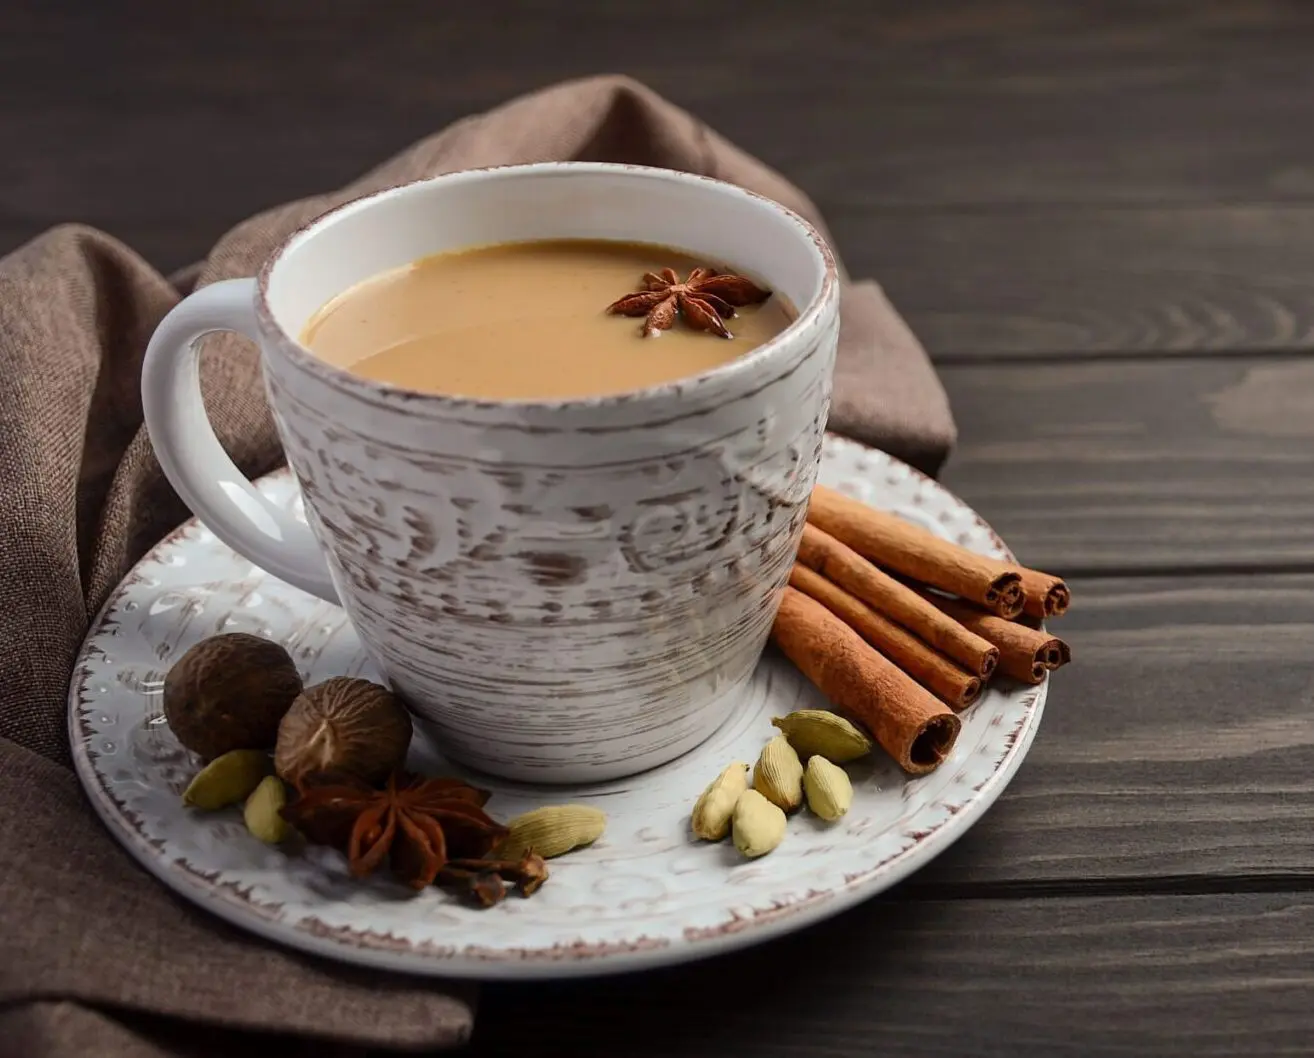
{"type": "Point", "coordinates": [91, 948]}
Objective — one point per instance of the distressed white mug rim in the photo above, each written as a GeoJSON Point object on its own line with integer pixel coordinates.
{"type": "Point", "coordinates": [805, 316]}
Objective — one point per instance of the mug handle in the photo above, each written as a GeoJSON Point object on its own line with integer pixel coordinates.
{"type": "Point", "coordinates": [193, 459]}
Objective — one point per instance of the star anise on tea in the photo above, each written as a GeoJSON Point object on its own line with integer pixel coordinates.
{"type": "Point", "coordinates": [418, 825]}
{"type": "Point", "coordinates": [705, 300]}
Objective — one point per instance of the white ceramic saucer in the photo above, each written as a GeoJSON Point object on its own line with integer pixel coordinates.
{"type": "Point", "coordinates": [645, 895]}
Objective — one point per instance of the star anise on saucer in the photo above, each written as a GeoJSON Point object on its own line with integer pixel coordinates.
{"type": "Point", "coordinates": [419, 825]}
{"type": "Point", "coordinates": [704, 300]}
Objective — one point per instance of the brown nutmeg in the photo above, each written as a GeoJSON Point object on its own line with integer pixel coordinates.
{"type": "Point", "coordinates": [230, 692]}
{"type": "Point", "coordinates": [343, 725]}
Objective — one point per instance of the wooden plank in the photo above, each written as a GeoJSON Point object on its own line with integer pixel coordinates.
{"type": "Point", "coordinates": [1196, 977]}
{"type": "Point", "coordinates": [1007, 102]}
{"type": "Point", "coordinates": [1005, 283]}
{"type": "Point", "coordinates": [1176, 750]}
{"type": "Point", "coordinates": [165, 131]}
{"type": "Point", "coordinates": [1140, 466]}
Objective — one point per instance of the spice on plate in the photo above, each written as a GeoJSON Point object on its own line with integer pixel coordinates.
{"type": "Point", "coordinates": [897, 654]}
{"type": "Point", "coordinates": [262, 811]}
{"type": "Point", "coordinates": [818, 731]}
{"type": "Point", "coordinates": [228, 779]}
{"type": "Point", "coordinates": [552, 830]}
{"type": "Point", "coordinates": [229, 692]}
{"type": "Point", "coordinates": [485, 886]}
{"type": "Point", "coordinates": [343, 726]}
{"type": "Point", "coordinates": [942, 676]}
{"type": "Point", "coordinates": [527, 873]}
{"type": "Point", "coordinates": [911, 725]}
{"type": "Point", "coordinates": [710, 819]}
{"type": "Point", "coordinates": [1046, 594]}
{"type": "Point", "coordinates": [415, 824]}
{"type": "Point", "coordinates": [778, 774]}
{"type": "Point", "coordinates": [846, 569]}
{"type": "Point", "coordinates": [896, 544]}
{"type": "Point", "coordinates": [829, 791]}
{"type": "Point", "coordinates": [1025, 653]}
{"type": "Point", "coordinates": [758, 826]}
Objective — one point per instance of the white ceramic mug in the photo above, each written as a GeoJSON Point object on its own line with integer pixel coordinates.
{"type": "Point", "coordinates": [568, 590]}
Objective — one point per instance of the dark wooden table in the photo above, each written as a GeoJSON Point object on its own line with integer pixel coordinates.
{"type": "Point", "coordinates": [1101, 223]}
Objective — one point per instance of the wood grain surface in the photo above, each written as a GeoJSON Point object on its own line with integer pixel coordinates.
{"type": "Point", "coordinates": [1185, 976]}
{"type": "Point", "coordinates": [1175, 751]}
{"type": "Point", "coordinates": [1006, 282]}
{"type": "Point", "coordinates": [1099, 218]}
{"type": "Point", "coordinates": [133, 115]}
{"type": "Point", "coordinates": [1141, 465]}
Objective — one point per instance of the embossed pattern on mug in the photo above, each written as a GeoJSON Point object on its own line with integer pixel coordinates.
{"type": "Point", "coordinates": [571, 605]}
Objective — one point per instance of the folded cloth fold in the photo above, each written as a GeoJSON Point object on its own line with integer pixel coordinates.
{"type": "Point", "coordinates": [91, 948]}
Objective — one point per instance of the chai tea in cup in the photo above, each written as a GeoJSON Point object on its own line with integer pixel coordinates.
{"type": "Point", "coordinates": [560, 542]}
{"type": "Point", "coordinates": [545, 320]}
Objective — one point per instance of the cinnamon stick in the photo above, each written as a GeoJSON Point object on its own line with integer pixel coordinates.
{"type": "Point", "coordinates": [937, 673]}
{"type": "Point", "coordinates": [847, 569]}
{"type": "Point", "coordinates": [1025, 653]}
{"type": "Point", "coordinates": [911, 725]}
{"type": "Point", "coordinates": [1045, 594]}
{"type": "Point", "coordinates": [917, 553]}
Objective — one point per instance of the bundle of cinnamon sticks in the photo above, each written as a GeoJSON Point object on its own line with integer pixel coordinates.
{"type": "Point", "coordinates": [902, 630]}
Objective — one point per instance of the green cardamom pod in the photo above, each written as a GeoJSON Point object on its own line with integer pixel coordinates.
{"type": "Point", "coordinates": [228, 779]}
{"type": "Point", "coordinates": [263, 812]}
{"type": "Point", "coordinates": [552, 830]}
{"type": "Point", "coordinates": [817, 732]}
{"type": "Point", "coordinates": [759, 826]}
{"type": "Point", "coordinates": [778, 775]}
{"type": "Point", "coordinates": [710, 819]}
{"type": "Point", "coordinates": [829, 791]}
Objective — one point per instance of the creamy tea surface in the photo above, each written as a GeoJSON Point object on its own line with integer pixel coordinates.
{"type": "Point", "coordinates": [527, 321]}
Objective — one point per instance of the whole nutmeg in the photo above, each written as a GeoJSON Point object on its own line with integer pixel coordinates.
{"type": "Point", "coordinates": [343, 725]}
{"type": "Point", "coordinates": [229, 692]}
